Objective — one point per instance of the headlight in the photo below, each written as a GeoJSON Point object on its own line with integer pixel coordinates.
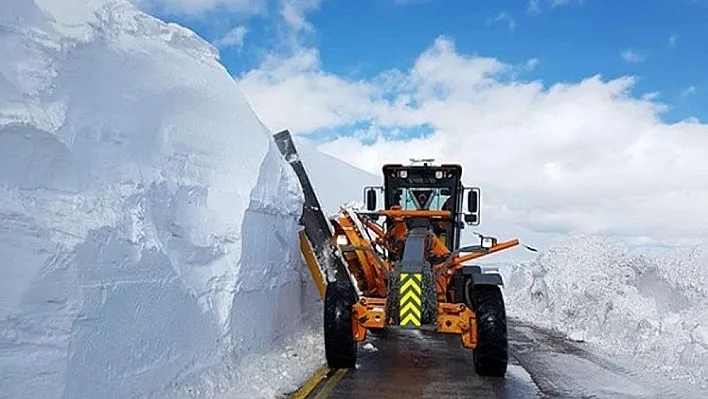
{"type": "Point", "coordinates": [488, 242]}
{"type": "Point", "coordinates": [342, 240]}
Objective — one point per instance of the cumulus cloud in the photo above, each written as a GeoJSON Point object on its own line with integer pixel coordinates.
{"type": "Point", "coordinates": [586, 156]}
{"type": "Point", "coordinates": [673, 40]}
{"type": "Point", "coordinates": [296, 93]}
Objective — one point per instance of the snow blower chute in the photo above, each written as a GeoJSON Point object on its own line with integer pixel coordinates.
{"type": "Point", "coordinates": [402, 266]}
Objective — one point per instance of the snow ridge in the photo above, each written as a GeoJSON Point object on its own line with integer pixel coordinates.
{"type": "Point", "coordinates": [652, 308]}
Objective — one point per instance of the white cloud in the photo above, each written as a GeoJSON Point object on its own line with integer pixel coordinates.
{"type": "Point", "coordinates": [200, 7]}
{"type": "Point", "coordinates": [289, 23]}
{"type": "Point", "coordinates": [532, 64]}
{"type": "Point", "coordinates": [673, 40]}
{"type": "Point", "coordinates": [536, 6]}
{"type": "Point", "coordinates": [688, 91]}
{"type": "Point", "coordinates": [584, 156]}
{"type": "Point", "coordinates": [232, 38]}
{"type": "Point", "coordinates": [295, 93]}
{"type": "Point", "coordinates": [633, 56]}
{"type": "Point", "coordinates": [504, 17]}
{"type": "Point", "coordinates": [293, 12]}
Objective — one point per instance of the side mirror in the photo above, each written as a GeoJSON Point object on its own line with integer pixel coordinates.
{"type": "Point", "coordinates": [473, 201]}
{"type": "Point", "coordinates": [371, 199]}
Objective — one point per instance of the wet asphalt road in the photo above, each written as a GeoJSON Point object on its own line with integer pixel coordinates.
{"type": "Point", "coordinates": [419, 364]}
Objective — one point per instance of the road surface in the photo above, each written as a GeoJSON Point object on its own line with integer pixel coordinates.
{"type": "Point", "coordinates": [419, 364]}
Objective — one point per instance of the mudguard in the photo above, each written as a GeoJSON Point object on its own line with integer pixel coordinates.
{"type": "Point", "coordinates": [480, 278]}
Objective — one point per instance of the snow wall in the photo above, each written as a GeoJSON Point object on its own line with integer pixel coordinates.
{"type": "Point", "coordinates": [148, 224]}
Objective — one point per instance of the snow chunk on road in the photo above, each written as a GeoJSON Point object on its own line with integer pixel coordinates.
{"type": "Point", "coordinates": [148, 224]}
{"type": "Point", "coordinates": [653, 308]}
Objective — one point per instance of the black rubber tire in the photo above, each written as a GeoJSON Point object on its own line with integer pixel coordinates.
{"type": "Point", "coordinates": [340, 347]}
{"type": "Point", "coordinates": [378, 332]}
{"type": "Point", "coordinates": [492, 353]}
{"type": "Point", "coordinates": [392, 302]}
{"type": "Point", "coordinates": [430, 299]}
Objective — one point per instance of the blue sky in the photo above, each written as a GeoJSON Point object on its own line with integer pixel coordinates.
{"type": "Point", "coordinates": [505, 89]}
{"type": "Point", "coordinates": [571, 41]}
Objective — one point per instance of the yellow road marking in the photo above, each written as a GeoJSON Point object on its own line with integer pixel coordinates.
{"type": "Point", "coordinates": [311, 383]}
{"type": "Point", "coordinates": [331, 383]}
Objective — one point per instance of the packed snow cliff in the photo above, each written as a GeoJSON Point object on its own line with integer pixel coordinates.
{"type": "Point", "coordinates": [148, 224]}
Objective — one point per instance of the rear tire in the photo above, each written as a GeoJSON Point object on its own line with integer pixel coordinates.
{"type": "Point", "coordinates": [429, 298]}
{"type": "Point", "coordinates": [378, 332]}
{"type": "Point", "coordinates": [492, 353]}
{"type": "Point", "coordinates": [392, 297]}
{"type": "Point", "coordinates": [340, 347]}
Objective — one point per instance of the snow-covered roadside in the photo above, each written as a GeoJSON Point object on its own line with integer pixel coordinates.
{"type": "Point", "coordinates": [650, 308]}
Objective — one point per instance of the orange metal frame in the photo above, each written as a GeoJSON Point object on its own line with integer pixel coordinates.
{"type": "Point", "coordinates": [371, 270]}
{"type": "Point", "coordinates": [453, 318]}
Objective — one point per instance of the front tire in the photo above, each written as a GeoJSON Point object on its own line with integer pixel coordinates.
{"type": "Point", "coordinates": [340, 347]}
{"type": "Point", "coordinates": [492, 352]}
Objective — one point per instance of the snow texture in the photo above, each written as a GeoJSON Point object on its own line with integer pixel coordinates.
{"type": "Point", "coordinates": [652, 308]}
{"type": "Point", "coordinates": [148, 223]}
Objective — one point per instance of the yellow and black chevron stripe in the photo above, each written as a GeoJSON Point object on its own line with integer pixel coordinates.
{"type": "Point", "coordinates": [410, 299]}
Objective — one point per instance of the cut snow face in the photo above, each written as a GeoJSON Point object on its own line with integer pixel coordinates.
{"type": "Point", "coordinates": [148, 223]}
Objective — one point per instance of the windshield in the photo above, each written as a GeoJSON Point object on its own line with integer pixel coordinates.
{"type": "Point", "coordinates": [422, 198]}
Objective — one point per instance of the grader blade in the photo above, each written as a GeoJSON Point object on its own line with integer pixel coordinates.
{"type": "Point", "coordinates": [317, 228]}
{"type": "Point", "coordinates": [340, 294]}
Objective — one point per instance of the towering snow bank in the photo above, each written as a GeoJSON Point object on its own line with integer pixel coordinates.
{"type": "Point", "coordinates": [651, 308]}
{"type": "Point", "coordinates": [148, 226]}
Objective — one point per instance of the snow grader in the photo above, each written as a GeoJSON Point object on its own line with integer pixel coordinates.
{"type": "Point", "coordinates": [402, 265]}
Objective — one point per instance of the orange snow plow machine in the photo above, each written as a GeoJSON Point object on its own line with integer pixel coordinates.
{"type": "Point", "coordinates": [401, 265]}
